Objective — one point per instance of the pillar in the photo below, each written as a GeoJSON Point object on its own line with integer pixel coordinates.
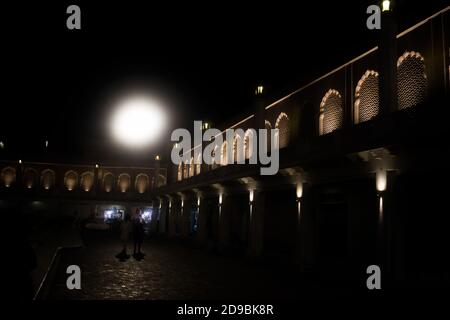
{"type": "Point", "coordinates": [224, 223]}
{"type": "Point", "coordinates": [388, 63]}
{"type": "Point", "coordinates": [174, 214]}
{"type": "Point", "coordinates": [256, 232]}
{"type": "Point", "coordinates": [306, 229]}
{"type": "Point", "coordinates": [185, 217]}
{"type": "Point", "coordinates": [202, 216]}
{"type": "Point", "coordinates": [389, 256]}
{"type": "Point", "coordinates": [163, 216]}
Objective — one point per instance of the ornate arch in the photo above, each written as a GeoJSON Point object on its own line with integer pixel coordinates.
{"type": "Point", "coordinates": [331, 112]}
{"type": "Point", "coordinates": [47, 179]}
{"type": "Point", "coordinates": [124, 182]}
{"type": "Point", "coordinates": [70, 180]}
{"type": "Point", "coordinates": [180, 171]}
{"type": "Point", "coordinates": [30, 177]}
{"type": "Point", "coordinates": [282, 124]}
{"type": "Point", "coordinates": [367, 101]}
{"type": "Point", "coordinates": [87, 181]}
{"type": "Point", "coordinates": [412, 79]}
{"type": "Point", "coordinates": [223, 153]}
{"type": "Point", "coordinates": [191, 167]}
{"type": "Point", "coordinates": [248, 144]}
{"type": "Point", "coordinates": [141, 183]}
{"type": "Point", "coordinates": [108, 182]}
{"type": "Point", "coordinates": [8, 176]}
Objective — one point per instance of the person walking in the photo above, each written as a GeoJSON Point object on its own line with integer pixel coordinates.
{"type": "Point", "coordinates": [138, 234]}
{"type": "Point", "coordinates": [126, 228]}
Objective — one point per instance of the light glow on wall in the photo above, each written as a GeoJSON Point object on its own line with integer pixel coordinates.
{"type": "Point", "coordinates": [299, 190]}
{"type": "Point", "coordinates": [381, 179]}
{"type": "Point", "coordinates": [380, 213]}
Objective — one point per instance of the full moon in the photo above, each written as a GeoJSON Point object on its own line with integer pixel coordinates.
{"type": "Point", "coordinates": [137, 122]}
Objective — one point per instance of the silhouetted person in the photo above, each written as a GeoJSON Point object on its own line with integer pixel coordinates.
{"type": "Point", "coordinates": [138, 233]}
{"type": "Point", "coordinates": [126, 228]}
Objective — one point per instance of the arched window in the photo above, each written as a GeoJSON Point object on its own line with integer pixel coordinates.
{"type": "Point", "coordinates": [198, 166]}
{"type": "Point", "coordinates": [282, 124]}
{"type": "Point", "coordinates": [108, 182]}
{"type": "Point", "coordinates": [185, 169]}
{"type": "Point", "coordinates": [331, 112]}
{"type": "Point", "coordinates": [30, 178]}
{"type": "Point", "coordinates": [142, 182]}
{"type": "Point", "coordinates": [191, 167]}
{"type": "Point", "coordinates": [215, 157]}
{"type": "Point", "coordinates": [238, 150]}
{"type": "Point", "coordinates": [87, 181]}
{"type": "Point", "coordinates": [8, 176]}
{"type": "Point", "coordinates": [180, 172]}
{"type": "Point", "coordinates": [124, 182]}
{"type": "Point", "coordinates": [248, 144]}
{"type": "Point", "coordinates": [367, 101]}
{"type": "Point", "coordinates": [47, 179]}
{"type": "Point", "coordinates": [412, 80]}
{"type": "Point", "coordinates": [71, 180]}
{"type": "Point", "coordinates": [223, 155]}
{"type": "Point", "coordinates": [160, 180]}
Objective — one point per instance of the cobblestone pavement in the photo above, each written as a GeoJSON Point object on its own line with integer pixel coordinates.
{"type": "Point", "coordinates": [168, 271]}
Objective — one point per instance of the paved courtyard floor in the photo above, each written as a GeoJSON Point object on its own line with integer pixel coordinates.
{"type": "Point", "coordinates": [169, 270]}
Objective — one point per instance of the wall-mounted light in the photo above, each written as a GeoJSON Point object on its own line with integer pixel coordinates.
{"type": "Point", "coordinates": [198, 202]}
{"type": "Point", "coordinates": [251, 195]}
{"type": "Point", "coordinates": [220, 199]}
{"type": "Point", "coordinates": [259, 90]}
{"type": "Point", "coordinates": [170, 204]}
{"type": "Point", "coordinates": [2, 145]}
{"type": "Point", "coordinates": [381, 179]}
{"type": "Point", "coordinates": [157, 158]}
{"type": "Point", "coordinates": [182, 203]}
{"type": "Point", "coordinates": [20, 161]}
{"type": "Point", "coordinates": [386, 5]}
{"type": "Point", "coordinates": [46, 143]}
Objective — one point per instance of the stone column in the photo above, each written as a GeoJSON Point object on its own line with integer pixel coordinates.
{"type": "Point", "coordinates": [388, 63]}
{"type": "Point", "coordinates": [389, 232]}
{"type": "Point", "coordinates": [175, 213]}
{"type": "Point", "coordinates": [185, 217]}
{"type": "Point", "coordinates": [202, 216]}
{"type": "Point", "coordinates": [256, 232]}
{"type": "Point", "coordinates": [224, 223]}
{"type": "Point", "coordinates": [306, 229]}
{"type": "Point", "coordinates": [163, 216]}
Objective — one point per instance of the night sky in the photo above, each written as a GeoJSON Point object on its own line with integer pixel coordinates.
{"type": "Point", "coordinates": [201, 60]}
